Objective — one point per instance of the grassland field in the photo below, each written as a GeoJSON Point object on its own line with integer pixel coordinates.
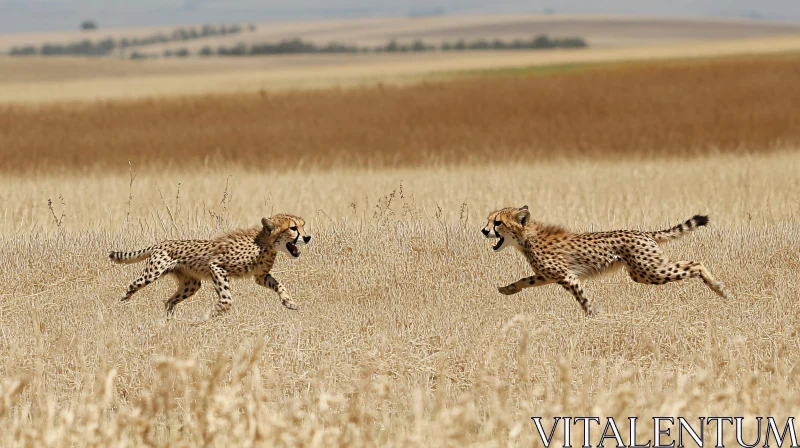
{"type": "Point", "coordinates": [401, 338]}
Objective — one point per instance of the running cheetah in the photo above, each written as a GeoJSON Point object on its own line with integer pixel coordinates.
{"type": "Point", "coordinates": [240, 253]}
{"type": "Point", "coordinates": [563, 257]}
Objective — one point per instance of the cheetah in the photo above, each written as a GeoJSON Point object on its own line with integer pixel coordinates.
{"type": "Point", "coordinates": [240, 253]}
{"type": "Point", "coordinates": [560, 256]}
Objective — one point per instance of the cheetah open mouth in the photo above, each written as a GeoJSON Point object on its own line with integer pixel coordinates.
{"type": "Point", "coordinates": [499, 243]}
{"type": "Point", "coordinates": [292, 249]}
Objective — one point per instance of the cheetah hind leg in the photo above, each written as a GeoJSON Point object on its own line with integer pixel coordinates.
{"type": "Point", "coordinates": [187, 287]}
{"type": "Point", "coordinates": [157, 265]}
{"type": "Point", "coordinates": [680, 270]}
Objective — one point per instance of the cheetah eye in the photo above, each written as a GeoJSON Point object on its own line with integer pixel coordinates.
{"type": "Point", "coordinates": [294, 228]}
{"type": "Point", "coordinates": [497, 223]}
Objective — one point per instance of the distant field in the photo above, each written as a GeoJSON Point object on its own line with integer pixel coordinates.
{"type": "Point", "coordinates": [600, 30]}
{"type": "Point", "coordinates": [45, 80]}
{"type": "Point", "coordinates": [666, 109]}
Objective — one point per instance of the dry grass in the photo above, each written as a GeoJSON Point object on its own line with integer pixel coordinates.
{"type": "Point", "coordinates": [402, 339]}
{"type": "Point", "coordinates": [48, 80]}
{"type": "Point", "coordinates": [668, 109]}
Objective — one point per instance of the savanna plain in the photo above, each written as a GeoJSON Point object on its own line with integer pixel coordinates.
{"type": "Point", "coordinates": [402, 338]}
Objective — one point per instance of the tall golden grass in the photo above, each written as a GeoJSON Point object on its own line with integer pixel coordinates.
{"type": "Point", "coordinates": [673, 109]}
{"type": "Point", "coordinates": [401, 338]}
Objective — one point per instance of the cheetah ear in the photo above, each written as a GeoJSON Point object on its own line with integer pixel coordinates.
{"type": "Point", "coordinates": [523, 216]}
{"type": "Point", "coordinates": [267, 224]}
{"type": "Point", "coordinates": [524, 207]}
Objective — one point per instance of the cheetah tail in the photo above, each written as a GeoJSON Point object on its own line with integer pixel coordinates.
{"type": "Point", "coordinates": [678, 231]}
{"type": "Point", "coordinates": [130, 257]}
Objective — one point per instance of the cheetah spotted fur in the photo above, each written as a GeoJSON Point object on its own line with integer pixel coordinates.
{"type": "Point", "coordinates": [240, 253]}
{"type": "Point", "coordinates": [562, 257]}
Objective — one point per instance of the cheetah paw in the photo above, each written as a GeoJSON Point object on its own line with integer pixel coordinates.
{"type": "Point", "coordinates": [722, 291]}
{"type": "Point", "coordinates": [289, 304]}
{"type": "Point", "coordinates": [508, 290]}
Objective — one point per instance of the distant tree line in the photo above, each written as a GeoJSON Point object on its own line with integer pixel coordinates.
{"type": "Point", "coordinates": [182, 34]}
{"type": "Point", "coordinates": [297, 46]}
{"type": "Point", "coordinates": [538, 42]}
{"type": "Point", "coordinates": [290, 46]}
{"type": "Point", "coordinates": [88, 25]}
{"type": "Point", "coordinates": [107, 46]}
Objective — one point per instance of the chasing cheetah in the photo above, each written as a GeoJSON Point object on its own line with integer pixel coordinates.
{"type": "Point", "coordinates": [240, 253]}
{"type": "Point", "coordinates": [563, 257]}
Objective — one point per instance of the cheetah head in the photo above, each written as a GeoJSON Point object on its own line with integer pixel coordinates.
{"type": "Point", "coordinates": [507, 226]}
{"type": "Point", "coordinates": [286, 232]}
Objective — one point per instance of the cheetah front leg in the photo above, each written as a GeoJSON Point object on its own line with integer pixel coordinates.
{"type": "Point", "coordinates": [573, 285]}
{"type": "Point", "coordinates": [221, 285]}
{"type": "Point", "coordinates": [268, 281]}
{"type": "Point", "coordinates": [528, 282]}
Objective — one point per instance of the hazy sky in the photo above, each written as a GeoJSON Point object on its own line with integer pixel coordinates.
{"type": "Point", "coordinates": [56, 15]}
